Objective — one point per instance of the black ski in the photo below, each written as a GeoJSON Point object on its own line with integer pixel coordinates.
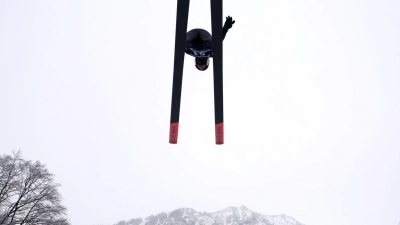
{"type": "Point", "coordinates": [180, 41]}
{"type": "Point", "coordinates": [216, 23]}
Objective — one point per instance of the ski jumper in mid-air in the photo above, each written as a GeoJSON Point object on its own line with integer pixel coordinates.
{"type": "Point", "coordinates": [199, 44]}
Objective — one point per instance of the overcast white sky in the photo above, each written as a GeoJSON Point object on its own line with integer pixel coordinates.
{"type": "Point", "coordinates": [311, 91]}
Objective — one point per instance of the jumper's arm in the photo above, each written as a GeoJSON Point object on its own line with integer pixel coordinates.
{"type": "Point", "coordinates": [228, 25]}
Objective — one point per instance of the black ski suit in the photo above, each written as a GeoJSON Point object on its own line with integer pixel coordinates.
{"type": "Point", "coordinates": [199, 42]}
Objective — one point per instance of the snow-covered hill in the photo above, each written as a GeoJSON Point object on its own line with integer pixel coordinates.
{"type": "Point", "coordinates": [229, 216]}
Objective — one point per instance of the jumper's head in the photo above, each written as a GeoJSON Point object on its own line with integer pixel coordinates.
{"type": "Point", "coordinates": [202, 63]}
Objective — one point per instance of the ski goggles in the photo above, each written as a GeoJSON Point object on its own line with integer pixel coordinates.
{"type": "Point", "coordinates": [202, 60]}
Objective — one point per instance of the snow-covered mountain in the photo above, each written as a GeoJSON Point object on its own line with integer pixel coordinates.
{"type": "Point", "coordinates": [229, 216]}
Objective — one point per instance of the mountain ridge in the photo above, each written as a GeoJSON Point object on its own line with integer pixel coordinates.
{"type": "Point", "coordinates": [228, 216]}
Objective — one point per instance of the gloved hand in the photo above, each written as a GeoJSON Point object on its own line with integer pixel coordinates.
{"type": "Point", "coordinates": [229, 22]}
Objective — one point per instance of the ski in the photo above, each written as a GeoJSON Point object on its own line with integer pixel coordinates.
{"type": "Point", "coordinates": [180, 40]}
{"type": "Point", "coordinates": [216, 24]}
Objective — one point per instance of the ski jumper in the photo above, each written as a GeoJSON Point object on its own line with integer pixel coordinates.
{"type": "Point", "coordinates": [199, 42]}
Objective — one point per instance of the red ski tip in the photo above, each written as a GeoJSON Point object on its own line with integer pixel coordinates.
{"type": "Point", "coordinates": [173, 133]}
{"type": "Point", "coordinates": [219, 133]}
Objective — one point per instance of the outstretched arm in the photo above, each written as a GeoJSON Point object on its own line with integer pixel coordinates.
{"type": "Point", "coordinates": [228, 25]}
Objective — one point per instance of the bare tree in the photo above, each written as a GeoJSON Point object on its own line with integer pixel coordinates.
{"type": "Point", "coordinates": [28, 194]}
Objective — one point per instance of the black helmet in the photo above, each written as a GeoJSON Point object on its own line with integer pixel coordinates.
{"type": "Point", "coordinates": [202, 61]}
